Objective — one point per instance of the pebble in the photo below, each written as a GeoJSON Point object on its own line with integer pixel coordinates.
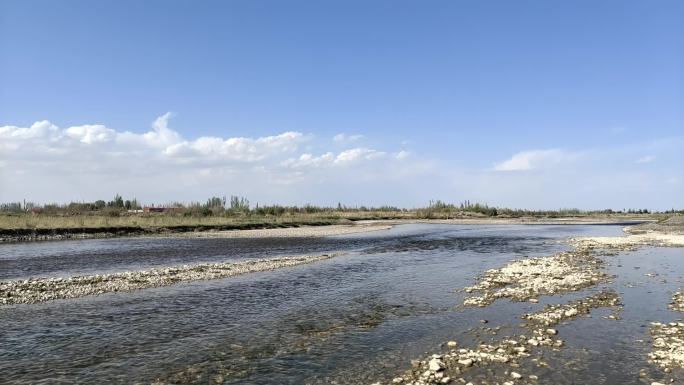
{"type": "Point", "coordinates": [466, 362]}
{"type": "Point", "coordinates": [435, 365]}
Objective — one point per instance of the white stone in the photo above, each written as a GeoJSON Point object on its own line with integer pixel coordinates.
{"type": "Point", "coordinates": [571, 312]}
{"type": "Point", "coordinates": [467, 362]}
{"type": "Point", "coordinates": [435, 365]}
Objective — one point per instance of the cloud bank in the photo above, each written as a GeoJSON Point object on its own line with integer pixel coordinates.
{"type": "Point", "coordinates": [47, 163]}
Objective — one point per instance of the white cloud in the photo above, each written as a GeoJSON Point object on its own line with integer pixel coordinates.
{"type": "Point", "coordinates": [90, 134]}
{"type": "Point", "coordinates": [344, 138]}
{"type": "Point", "coordinates": [344, 158]}
{"type": "Point", "coordinates": [40, 129]}
{"type": "Point", "coordinates": [310, 160]}
{"type": "Point", "coordinates": [534, 159]}
{"type": "Point", "coordinates": [236, 149]}
{"type": "Point", "coordinates": [48, 163]}
{"type": "Point", "coordinates": [646, 159]}
{"type": "Point", "coordinates": [357, 154]}
{"type": "Point", "coordinates": [161, 134]}
{"type": "Point", "coordinates": [44, 138]}
{"type": "Point", "coordinates": [402, 155]}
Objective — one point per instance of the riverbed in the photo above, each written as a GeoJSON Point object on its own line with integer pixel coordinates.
{"type": "Point", "coordinates": [361, 317]}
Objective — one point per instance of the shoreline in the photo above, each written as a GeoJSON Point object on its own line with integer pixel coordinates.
{"type": "Point", "coordinates": [284, 229]}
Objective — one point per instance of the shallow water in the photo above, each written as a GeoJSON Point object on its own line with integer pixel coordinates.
{"type": "Point", "coordinates": [357, 318]}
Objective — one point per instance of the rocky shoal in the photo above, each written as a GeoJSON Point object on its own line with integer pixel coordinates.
{"type": "Point", "coordinates": [527, 279]}
{"type": "Point", "coordinates": [36, 290]}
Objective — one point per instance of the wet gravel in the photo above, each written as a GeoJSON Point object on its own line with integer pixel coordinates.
{"type": "Point", "coordinates": [36, 290]}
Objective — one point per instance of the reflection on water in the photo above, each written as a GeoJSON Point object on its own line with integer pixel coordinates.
{"type": "Point", "coordinates": [351, 319]}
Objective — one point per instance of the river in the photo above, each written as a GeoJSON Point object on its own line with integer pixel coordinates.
{"type": "Point", "coordinates": [354, 319]}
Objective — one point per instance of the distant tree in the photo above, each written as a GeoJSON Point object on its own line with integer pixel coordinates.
{"type": "Point", "coordinates": [239, 204]}
{"type": "Point", "coordinates": [216, 202]}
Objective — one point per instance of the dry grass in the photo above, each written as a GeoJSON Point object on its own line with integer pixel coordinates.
{"type": "Point", "coordinates": [147, 221]}
{"type": "Point", "coordinates": [161, 220]}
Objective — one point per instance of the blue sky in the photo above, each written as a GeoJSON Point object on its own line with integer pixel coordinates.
{"type": "Point", "coordinates": [529, 103]}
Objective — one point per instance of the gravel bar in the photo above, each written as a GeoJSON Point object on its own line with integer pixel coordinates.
{"type": "Point", "coordinates": [36, 290]}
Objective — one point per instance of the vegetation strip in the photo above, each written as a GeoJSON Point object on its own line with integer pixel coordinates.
{"type": "Point", "coordinates": [36, 290]}
{"type": "Point", "coordinates": [29, 221]}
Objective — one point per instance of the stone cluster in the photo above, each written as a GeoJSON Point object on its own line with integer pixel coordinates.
{"type": "Point", "coordinates": [452, 366]}
{"type": "Point", "coordinates": [677, 302]}
{"type": "Point", "coordinates": [555, 314]}
{"type": "Point", "coordinates": [668, 345]}
{"type": "Point", "coordinates": [527, 279]}
{"type": "Point", "coordinates": [45, 289]}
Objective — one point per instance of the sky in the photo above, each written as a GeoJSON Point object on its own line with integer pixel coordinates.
{"type": "Point", "coordinates": [527, 104]}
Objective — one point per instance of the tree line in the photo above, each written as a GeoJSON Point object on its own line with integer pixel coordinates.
{"type": "Point", "coordinates": [240, 205]}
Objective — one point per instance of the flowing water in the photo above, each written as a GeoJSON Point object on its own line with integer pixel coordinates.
{"type": "Point", "coordinates": [357, 318]}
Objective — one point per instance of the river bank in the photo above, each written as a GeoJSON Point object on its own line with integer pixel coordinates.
{"type": "Point", "coordinates": [305, 227]}
{"type": "Point", "coordinates": [64, 233]}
